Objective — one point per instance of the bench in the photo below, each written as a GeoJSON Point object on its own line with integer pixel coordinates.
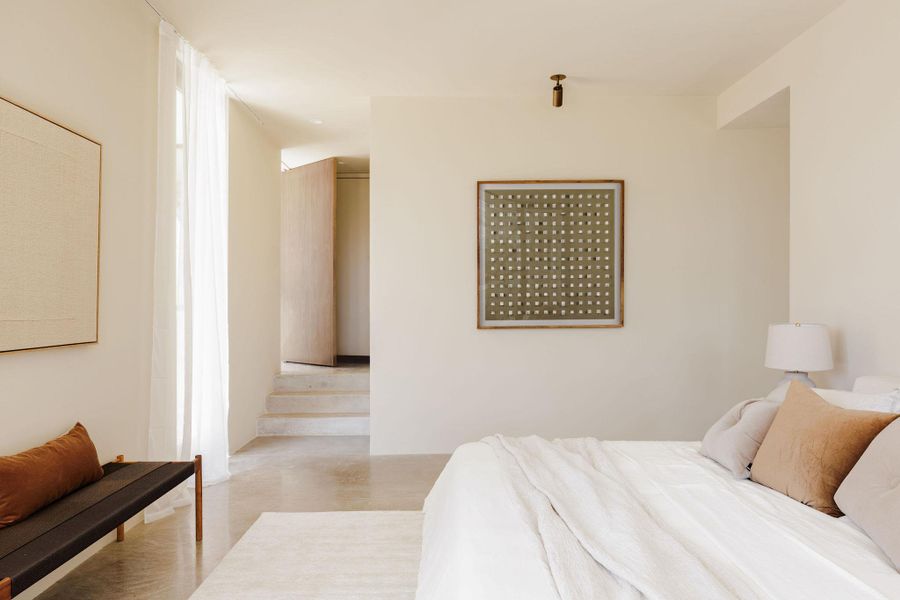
{"type": "Point", "coordinates": [35, 546]}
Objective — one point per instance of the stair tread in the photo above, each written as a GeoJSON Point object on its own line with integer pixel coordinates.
{"type": "Point", "coordinates": [312, 415]}
{"type": "Point", "coordinates": [299, 369]}
{"type": "Point", "coordinates": [343, 373]}
{"type": "Point", "coordinates": [313, 393]}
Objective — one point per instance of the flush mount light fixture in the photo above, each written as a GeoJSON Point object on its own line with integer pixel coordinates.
{"type": "Point", "coordinates": [557, 89]}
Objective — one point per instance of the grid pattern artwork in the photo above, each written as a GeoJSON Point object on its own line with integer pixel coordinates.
{"type": "Point", "coordinates": [550, 254]}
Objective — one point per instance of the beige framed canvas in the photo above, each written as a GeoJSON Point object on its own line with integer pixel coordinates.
{"type": "Point", "coordinates": [49, 232]}
{"type": "Point", "coordinates": [550, 253]}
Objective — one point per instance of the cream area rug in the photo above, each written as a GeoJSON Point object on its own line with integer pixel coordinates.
{"type": "Point", "coordinates": [324, 555]}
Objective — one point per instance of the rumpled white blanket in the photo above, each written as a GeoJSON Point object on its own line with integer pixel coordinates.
{"type": "Point", "coordinates": [583, 519]}
{"type": "Point", "coordinates": [600, 540]}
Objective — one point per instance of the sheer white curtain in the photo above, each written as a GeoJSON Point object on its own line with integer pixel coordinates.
{"type": "Point", "coordinates": [189, 385]}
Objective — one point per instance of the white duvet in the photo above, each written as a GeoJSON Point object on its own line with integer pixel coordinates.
{"type": "Point", "coordinates": [529, 519]}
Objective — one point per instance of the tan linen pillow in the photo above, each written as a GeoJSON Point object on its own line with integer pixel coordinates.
{"type": "Point", "coordinates": [734, 439]}
{"type": "Point", "coordinates": [870, 494]}
{"type": "Point", "coordinates": [811, 447]}
{"type": "Point", "coordinates": [35, 478]}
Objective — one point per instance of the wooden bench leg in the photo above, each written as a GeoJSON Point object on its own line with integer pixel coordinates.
{"type": "Point", "coordinates": [198, 497]}
{"type": "Point", "coordinates": [5, 588]}
{"type": "Point", "coordinates": [120, 529]}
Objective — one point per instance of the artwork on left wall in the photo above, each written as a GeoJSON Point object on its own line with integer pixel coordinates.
{"type": "Point", "coordinates": [49, 232]}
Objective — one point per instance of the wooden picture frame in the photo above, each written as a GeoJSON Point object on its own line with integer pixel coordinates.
{"type": "Point", "coordinates": [550, 253]}
{"type": "Point", "coordinates": [50, 201]}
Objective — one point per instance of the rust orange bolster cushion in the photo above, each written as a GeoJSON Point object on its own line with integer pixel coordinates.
{"type": "Point", "coordinates": [33, 479]}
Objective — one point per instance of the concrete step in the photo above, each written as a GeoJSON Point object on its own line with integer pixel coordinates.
{"type": "Point", "coordinates": [337, 401]}
{"type": "Point", "coordinates": [348, 380]}
{"type": "Point", "coordinates": [313, 424]}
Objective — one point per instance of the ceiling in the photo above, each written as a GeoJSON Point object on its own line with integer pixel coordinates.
{"type": "Point", "coordinates": [309, 67]}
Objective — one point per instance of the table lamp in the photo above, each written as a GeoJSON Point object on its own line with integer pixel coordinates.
{"type": "Point", "coordinates": [797, 349]}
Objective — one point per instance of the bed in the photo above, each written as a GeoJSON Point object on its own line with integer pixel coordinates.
{"type": "Point", "coordinates": [532, 519]}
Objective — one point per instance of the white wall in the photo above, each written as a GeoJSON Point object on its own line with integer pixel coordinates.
{"type": "Point", "coordinates": [97, 75]}
{"type": "Point", "coordinates": [705, 270]}
{"type": "Point", "coordinates": [845, 207]}
{"type": "Point", "coordinates": [351, 257]}
{"type": "Point", "coordinates": [254, 289]}
{"type": "Point", "coordinates": [91, 65]}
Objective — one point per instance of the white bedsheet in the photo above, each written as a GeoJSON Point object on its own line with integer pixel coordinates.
{"type": "Point", "coordinates": [489, 535]}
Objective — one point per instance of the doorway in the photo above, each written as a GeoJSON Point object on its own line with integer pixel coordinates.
{"type": "Point", "coordinates": [325, 264]}
{"type": "Point", "coordinates": [352, 267]}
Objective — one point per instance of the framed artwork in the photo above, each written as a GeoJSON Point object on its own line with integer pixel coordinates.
{"type": "Point", "coordinates": [550, 253]}
{"type": "Point", "coordinates": [49, 232]}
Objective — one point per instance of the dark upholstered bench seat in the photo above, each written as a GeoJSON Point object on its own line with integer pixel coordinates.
{"type": "Point", "coordinates": [31, 549]}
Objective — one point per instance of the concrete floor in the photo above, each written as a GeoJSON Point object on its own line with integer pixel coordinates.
{"type": "Point", "coordinates": [161, 560]}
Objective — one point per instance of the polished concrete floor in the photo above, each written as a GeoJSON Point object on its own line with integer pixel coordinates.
{"type": "Point", "coordinates": [161, 560]}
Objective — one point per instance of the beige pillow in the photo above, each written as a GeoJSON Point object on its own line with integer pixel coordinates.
{"type": "Point", "coordinates": [870, 495]}
{"type": "Point", "coordinates": [811, 447]}
{"type": "Point", "coordinates": [734, 439]}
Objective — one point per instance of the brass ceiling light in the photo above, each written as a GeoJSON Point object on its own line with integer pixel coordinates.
{"type": "Point", "coordinates": [557, 89]}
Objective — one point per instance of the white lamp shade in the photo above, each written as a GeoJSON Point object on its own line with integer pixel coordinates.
{"type": "Point", "coordinates": [799, 347]}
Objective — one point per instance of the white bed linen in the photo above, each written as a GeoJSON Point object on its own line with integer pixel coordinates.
{"type": "Point", "coordinates": [484, 538]}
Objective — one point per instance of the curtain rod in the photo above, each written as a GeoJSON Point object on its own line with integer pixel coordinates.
{"type": "Point", "coordinates": [227, 85]}
{"type": "Point", "coordinates": [153, 8]}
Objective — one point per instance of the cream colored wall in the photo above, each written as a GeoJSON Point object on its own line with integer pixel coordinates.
{"type": "Point", "coordinates": [844, 208]}
{"type": "Point", "coordinates": [352, 266]}
{"type": "Point", "coordinates": [253, 276]}
{"type": "Point", "coordinates": [705, 270]}
{"type": "Point", "coordinates": [91, 65]}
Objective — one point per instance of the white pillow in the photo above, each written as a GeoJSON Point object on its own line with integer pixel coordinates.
{"type": "Point", "coordinates": [888, 402]}
{"type": "Point", "coordinates": [876, 384]}
{"type": "Point", "coordinates": [734, 439]}
{"type": "Point", "coordinates": [870, 494]}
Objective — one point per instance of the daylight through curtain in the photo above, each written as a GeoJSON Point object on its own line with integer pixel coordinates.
{"type": "Point", "coordinates": [189, 384]}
